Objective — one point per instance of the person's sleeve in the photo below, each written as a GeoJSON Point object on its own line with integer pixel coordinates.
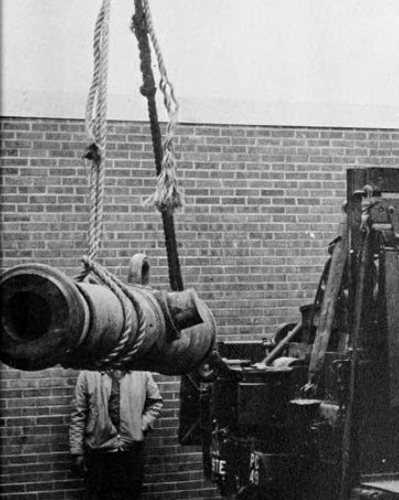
{"type": "Point", "coordinates": [153, 404]}
{"type": "Point", "coordinates": [79, 413]}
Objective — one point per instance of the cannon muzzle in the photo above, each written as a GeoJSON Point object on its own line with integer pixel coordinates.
{"type": "Point", "coordinates": [49, 319]}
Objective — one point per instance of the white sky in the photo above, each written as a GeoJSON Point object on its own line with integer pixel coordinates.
{"type": "Point", "coordinates": [305, 62]}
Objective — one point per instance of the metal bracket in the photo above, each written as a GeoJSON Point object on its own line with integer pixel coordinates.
{"type": "Point", "coordinates": [385, 217]}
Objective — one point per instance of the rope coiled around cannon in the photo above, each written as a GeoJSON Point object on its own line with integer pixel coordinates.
{"type": "Point", "coordinates": [120, 356]}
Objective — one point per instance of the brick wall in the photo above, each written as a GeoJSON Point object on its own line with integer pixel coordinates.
{"type": "Point", "coordinates": [261, 205]}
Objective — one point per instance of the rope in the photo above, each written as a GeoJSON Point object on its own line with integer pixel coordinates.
{"type": "Point", "coordinates": [120, 357]}
{"type": "Point", "coordinates": [148, 89]}
{"type": "Point", "coordinates": [96, 124]}
{"type": "Point", "coordinates": [166, 197]}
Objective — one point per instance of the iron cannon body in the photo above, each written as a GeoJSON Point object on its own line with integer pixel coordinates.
{"type": "Point", "coordinates": [50, 319]}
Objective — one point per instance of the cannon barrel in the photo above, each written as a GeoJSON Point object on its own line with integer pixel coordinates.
{"type": "Point", "coordinates": [49, 319]}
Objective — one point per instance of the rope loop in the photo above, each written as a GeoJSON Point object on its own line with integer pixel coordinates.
{"type": "Point", "coordinates": [121, 356]}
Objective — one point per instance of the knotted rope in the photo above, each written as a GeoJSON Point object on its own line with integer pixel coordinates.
{"type": "Point", "coordinates": [123, 353]}
{"type": "Point", "coordinates": [96, 124]}
{"type": "Point", "coordinates": [148, 89]}
{"type": "Point", "coordinates": [166, 197]}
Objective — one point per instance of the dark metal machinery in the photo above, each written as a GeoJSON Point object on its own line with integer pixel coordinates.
{"type": "Point", "coordinates": [316, 414]}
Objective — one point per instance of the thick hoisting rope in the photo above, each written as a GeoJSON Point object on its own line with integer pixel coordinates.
{"type": "Point", "coordinates": [166, 196]}
{"type": "Point", "coordinates": [148, 89]}
{"type": "Point", "coordinates": [96, 125]}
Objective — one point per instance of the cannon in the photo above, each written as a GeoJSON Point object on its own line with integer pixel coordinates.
{"type": "Point", "coordinates": [98, 323]}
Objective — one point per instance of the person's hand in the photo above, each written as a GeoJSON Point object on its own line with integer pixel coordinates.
{"type": "Point", "coordinates": [79, 464]}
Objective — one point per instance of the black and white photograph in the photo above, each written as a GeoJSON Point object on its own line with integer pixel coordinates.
{"type": "Point", "coordinates": [199, 250]}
